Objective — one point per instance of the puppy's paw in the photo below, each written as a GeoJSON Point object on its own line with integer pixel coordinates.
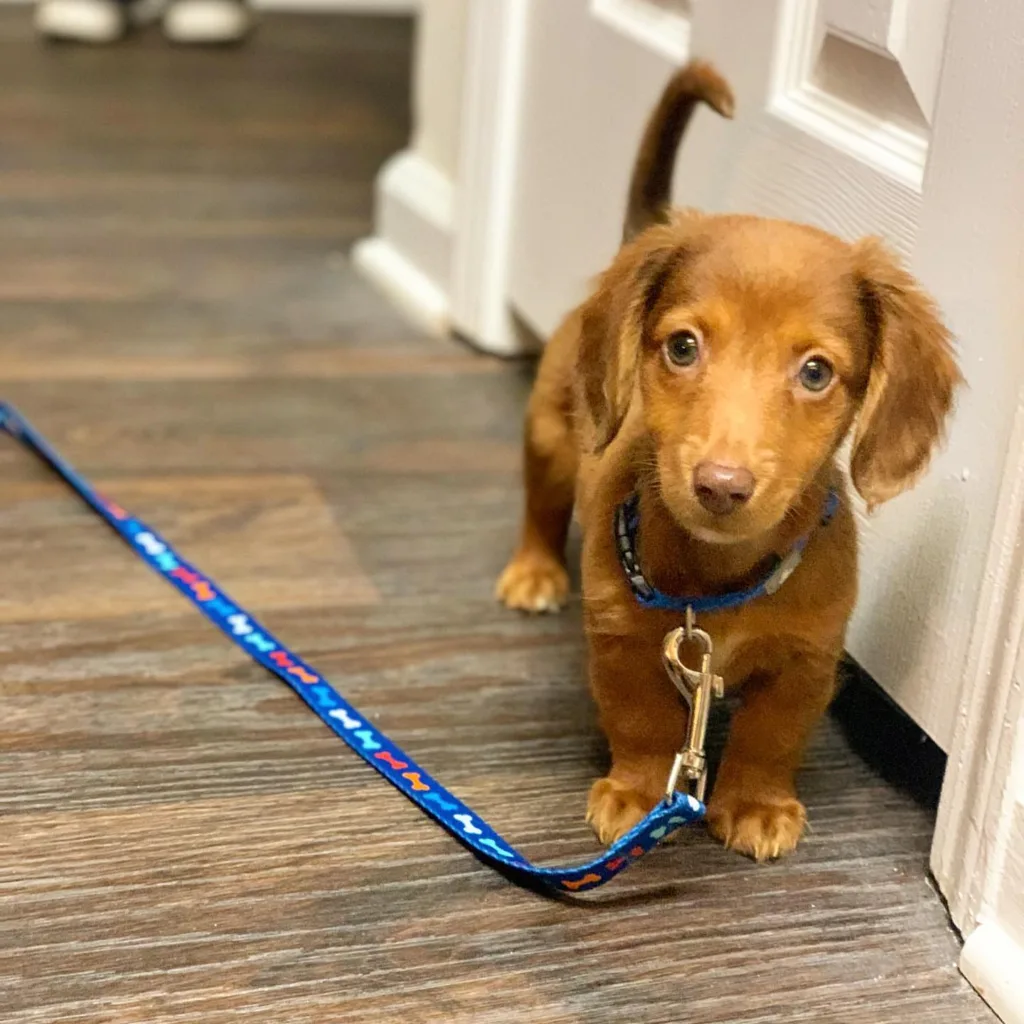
{"type": "Point", "coordinates": [614, 808]}
{"type": "Point", "coordinates": [533, 582]}
{"type": "Point", "coordinates": [763, 829]}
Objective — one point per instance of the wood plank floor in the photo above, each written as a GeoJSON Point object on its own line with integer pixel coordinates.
{"type": "Point", "coordinates": [180, 841]}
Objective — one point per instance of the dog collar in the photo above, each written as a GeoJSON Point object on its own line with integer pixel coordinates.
{"type": "Point", "coordinates": [627, 526]}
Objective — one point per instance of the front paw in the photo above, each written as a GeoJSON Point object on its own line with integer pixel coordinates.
{"type": "Point", "coordinates": [763, 828]}
{"type": "Point", "coordinates": [614, 808]}
{"type": "Point", "coordinates": [533, 582]}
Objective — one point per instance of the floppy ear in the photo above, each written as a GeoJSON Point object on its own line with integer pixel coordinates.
{"type": "Point", "coordinates": [912, 379]}
{"type": "Point", "coordinates": [612, 326]}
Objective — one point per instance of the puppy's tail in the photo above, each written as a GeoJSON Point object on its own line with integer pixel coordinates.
{"type": "Point", "coordinates": [649, 191]}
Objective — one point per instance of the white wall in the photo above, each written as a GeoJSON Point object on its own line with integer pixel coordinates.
{"type": "Point", "coordinates": [409, 255]}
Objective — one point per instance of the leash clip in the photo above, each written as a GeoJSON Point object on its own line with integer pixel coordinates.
{"type": "Point", "coordinates": [697, 687]}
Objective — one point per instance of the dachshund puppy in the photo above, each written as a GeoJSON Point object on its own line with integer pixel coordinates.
{"type": "Point", "coordinates": [711, 376]}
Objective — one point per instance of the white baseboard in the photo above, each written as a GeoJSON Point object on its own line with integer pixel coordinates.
{"type": "Point", "coordinates": [994, 964]}
{"type": "Point", "coordinates": [417, 297]}
{"type": "Point", "coordinates": [410, 254]}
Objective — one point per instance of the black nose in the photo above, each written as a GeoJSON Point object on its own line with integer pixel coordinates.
{"type": "Point", "coordinates": [722, 489]}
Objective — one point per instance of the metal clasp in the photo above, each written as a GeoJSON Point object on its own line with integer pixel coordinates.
{"type": "Point", "coordinates": [697, 688]}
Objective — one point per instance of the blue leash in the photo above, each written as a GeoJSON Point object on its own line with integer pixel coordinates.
{"type": "Point", "coordinates": [343, 719]}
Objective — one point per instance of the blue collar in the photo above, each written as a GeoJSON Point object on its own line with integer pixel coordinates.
{"type": "Point", "coordinates": [627, 526]}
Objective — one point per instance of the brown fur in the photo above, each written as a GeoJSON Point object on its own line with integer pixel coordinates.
{"type": "Point", "coordinates": [609, 415]}
{"type": "Point", "coordinates": [651, 184]}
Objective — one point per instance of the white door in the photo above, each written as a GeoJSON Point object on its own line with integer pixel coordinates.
{"type": "Point", "coordinates": [890, 117]}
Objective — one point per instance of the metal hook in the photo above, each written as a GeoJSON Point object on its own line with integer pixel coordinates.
{"type": "Point", "coordinates": [697, 688]}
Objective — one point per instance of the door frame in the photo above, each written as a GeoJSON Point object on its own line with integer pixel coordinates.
{"type": "Point", "coordinates": [983, 774]}
{"type": "Point", "coordinates": [967, 853]}
{"type": "Point", "coordinates": [493, 84]}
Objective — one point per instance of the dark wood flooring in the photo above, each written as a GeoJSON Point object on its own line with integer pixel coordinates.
{"type": "Point", "coordinates": [180, 840]}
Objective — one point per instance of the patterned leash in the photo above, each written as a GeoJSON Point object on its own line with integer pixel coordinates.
{"type": "Point", "coordinates": [345, 721]}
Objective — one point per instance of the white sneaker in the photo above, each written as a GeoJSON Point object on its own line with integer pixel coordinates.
{"type": "Point", "coordinates": [207, 21]}
{"type": "Point", "coordinates": [85, 21]}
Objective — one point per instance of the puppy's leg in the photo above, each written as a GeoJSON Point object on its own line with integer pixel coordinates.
{"type": "Point", "coordinates": [535, 579]}
{"type": "Point", "coordinates": [645, 722]}
{"type": "Point", "coordinates": [754, 808]}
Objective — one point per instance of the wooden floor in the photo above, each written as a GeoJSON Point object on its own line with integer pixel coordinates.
{"type": "Point", "coordinates": [180, 840]}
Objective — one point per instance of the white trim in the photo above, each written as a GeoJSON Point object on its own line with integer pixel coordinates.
{"type": "Point", "coordinates": [977, 771]}
{"type": "Point", "coordinates": [410, 256]}
{"type": "Point", "coordinates": [415, 295]}
{"type": "Point", "coordinates": [994, 964]}
{"type": "Point", "coordinates": [486, 179]}
{"type": "Point", "coordinates": [656, 28]}
{"type": "Point", "coordinates": [339, 6]}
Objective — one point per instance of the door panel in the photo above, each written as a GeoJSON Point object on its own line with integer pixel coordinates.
{"type": "Point", "coordinates": [862, 77]}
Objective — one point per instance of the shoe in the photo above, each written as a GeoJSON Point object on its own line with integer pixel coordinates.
{"type": "Point", "coordinates": [207, 22]}
{"type": "Point", "coordinates": [83, 21]}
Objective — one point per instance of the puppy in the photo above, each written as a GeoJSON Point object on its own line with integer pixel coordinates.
{"type": "Point", "coordinates": [713, 374]}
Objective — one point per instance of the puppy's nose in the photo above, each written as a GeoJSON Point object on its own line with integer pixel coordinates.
{"type": "Point", "coordinates": [722, 489]}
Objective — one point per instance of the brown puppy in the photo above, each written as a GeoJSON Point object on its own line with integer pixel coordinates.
{"type": "Point", "coordinates": [714, 371]}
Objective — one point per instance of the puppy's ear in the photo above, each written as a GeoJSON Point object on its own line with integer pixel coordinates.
{"type": "Point", "coordinates": [613, 321]}
{"type": "Point", "coordinates": [912, 380]}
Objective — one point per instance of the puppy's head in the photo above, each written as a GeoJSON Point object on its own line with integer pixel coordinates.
{"type": "Point", "coordinates": [754, 345]}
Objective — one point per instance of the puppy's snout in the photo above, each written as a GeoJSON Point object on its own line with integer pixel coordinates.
{"type": "Point", "coordinates": [722, 489]}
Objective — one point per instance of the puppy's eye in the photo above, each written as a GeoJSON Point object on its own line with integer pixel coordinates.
{"type": "Point", "coordinates": [682, 349]}
{"type": "Point", "coordinates": [816, 374]}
